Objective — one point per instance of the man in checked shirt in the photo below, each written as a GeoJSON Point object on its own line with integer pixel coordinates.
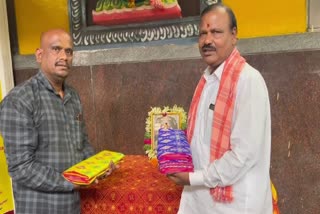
{"type": "Point", "coordinates": [44, 134]}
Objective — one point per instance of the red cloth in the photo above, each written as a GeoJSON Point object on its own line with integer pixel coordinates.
{"type": "Point", "coordinates": [136, 187]}
{"type": "Point", "coordinates": [221, 126]}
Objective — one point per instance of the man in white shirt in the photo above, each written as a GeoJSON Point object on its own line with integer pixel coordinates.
{"type": "Point", "coordinates": [237, 181]}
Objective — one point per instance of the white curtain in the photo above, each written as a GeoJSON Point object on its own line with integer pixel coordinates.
{"type": "Point", "coordinates": [6, 74]}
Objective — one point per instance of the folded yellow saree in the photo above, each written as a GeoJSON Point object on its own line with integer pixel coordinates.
{"type": "Point", "coordinates": [85, 172]}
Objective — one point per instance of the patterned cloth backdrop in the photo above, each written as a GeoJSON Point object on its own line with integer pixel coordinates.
{"type": "Point", "coordinates": [136, 187]}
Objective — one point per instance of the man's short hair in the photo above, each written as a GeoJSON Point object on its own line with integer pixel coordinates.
{"type": "Point", "coordinates": [212, 7]}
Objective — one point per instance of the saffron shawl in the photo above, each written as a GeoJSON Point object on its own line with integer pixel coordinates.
{"type": "Point", "coordinates": [223, 111]}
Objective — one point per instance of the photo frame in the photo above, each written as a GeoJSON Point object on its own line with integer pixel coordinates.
{"type": "Point", "coordinates": [85, 36]}
{"type": "Point", "coordinates": [167, 120]}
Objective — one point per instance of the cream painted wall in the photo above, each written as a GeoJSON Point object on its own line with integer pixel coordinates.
{"type": "Point", "coordinates": [6, 74]}
{"type": "Point", "coordinates": [255, 18]}
{"type": "Point", "coordinates": [314, 17]}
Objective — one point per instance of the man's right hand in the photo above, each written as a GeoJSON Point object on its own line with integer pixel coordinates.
{"type": "Point", "coordinates": [112, 167]}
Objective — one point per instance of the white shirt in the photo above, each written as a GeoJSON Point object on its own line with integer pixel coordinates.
{"type": "Point", "coordinates": [246, 165]}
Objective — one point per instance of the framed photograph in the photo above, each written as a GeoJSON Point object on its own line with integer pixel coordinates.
{"type": "Point", "coordinates": [92, 22]}
{"type": "Point", "coordinates": [167, 120]}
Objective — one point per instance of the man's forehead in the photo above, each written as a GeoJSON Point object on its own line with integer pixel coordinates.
{"type": "Point", "coordinates": [56, 40]}
{"type": "Point", "coordinates": [215, 18]}
{"type": "Point", "coordinates": [55, 36]}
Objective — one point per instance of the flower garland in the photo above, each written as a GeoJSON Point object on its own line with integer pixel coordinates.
{"type": "Point", "coordinates": [151, 152]}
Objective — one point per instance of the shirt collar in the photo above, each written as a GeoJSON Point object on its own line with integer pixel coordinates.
{"type": "Point", "coordinates": [43, 79]}
{"type": "Point", "coordinates": [216, 74]}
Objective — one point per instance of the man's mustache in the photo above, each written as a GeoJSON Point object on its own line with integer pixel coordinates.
{"type": "Point", "coordinates": [208, 48]}
{"type": "Point", "coordinates": [63, 64]}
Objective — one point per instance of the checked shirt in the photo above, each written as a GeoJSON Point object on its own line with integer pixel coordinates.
{"type": "Point", "coordinates": [43, 136]}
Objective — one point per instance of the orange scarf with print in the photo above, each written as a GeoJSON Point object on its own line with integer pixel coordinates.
{"type": "Point", "coordinates": [223, 111]}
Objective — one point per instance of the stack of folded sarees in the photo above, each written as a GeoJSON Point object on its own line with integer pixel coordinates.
{"type": "Point", "coordinates": [85, 172]}
{"type": "Point", "coordinates": [173, 152]}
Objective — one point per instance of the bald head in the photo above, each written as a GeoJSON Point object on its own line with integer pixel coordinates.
{"type": "Point", "coordinates": [46, 36]}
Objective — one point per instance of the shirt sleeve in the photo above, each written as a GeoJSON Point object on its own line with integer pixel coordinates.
{"type": "Point", "coordinates": [21, 142]}
{"type": "Point", "coordinates": [247, 137]}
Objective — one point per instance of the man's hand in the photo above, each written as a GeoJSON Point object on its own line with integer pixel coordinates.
{"type": "Point", "coordinates": [181, 178]}
{"type": "Point", "coordinates": [112, 167]}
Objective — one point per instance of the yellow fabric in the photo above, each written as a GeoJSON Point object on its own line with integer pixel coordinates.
{"type": "Point", "coordinates": [85, 172]}
{"type": "Point", "coordinates": [6, 196]}
{"type": "Point", "coordinates": [275, 199]}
